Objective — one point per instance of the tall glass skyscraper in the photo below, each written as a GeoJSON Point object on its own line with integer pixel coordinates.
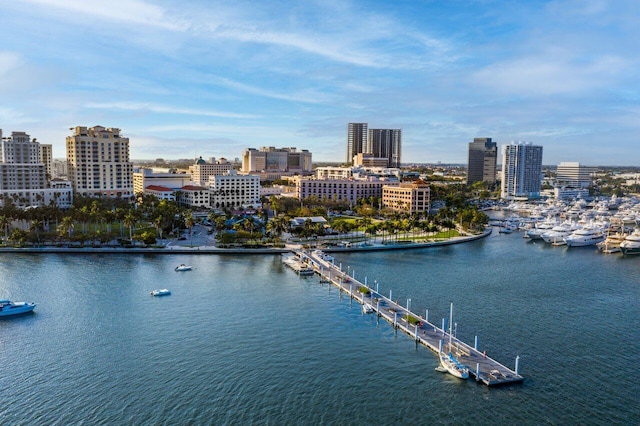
{"type": "Point", "coordinates": [521, 170]}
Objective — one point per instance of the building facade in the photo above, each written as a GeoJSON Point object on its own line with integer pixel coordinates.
{"type": "Point", "coordinates": [481, 166]}
{"type": "Point", "coordinates": [194, 196]}
{"type": "Point", "coordinates": [573, 175]}
{"type": "Point", "coordinates": [23, 176]}
{"type": "Point", "coordinates": [234, 191]}
{"type": "Point", "coordinates": [385, 143]}
{"type": "Point", "coordinates": [408, 197]}
{"type": "Point", "coordinates": [46, 157]}
{"type": "Point", "coordinates": [356, 140]}
{"type": "Point", "coordinates": [98, 162]}
{"type": "Point", "coordinates": [145, 177]}
{"type": "Point", "coordinates": [521, 170]}
{"type": "Point", "coordinates": [271, 160]}
{"type": "Point", "coordinates": [201, 170]}
{"type": "Point", "coordinates": [349, 190]}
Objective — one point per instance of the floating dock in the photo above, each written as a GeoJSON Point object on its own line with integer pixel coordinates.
{"type": "Point", "coordinates": [483, 368]}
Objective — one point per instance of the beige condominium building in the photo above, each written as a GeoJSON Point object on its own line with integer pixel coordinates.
{"type": "Point", "coordinates": [409, 197]}
{"type": "Point", "coordinates": [98, 162]}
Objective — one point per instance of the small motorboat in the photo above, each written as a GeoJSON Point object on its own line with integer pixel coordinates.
{"type": "Point", "coordinates": [367, 309]}
{"type": "Point", "coordinates": [183, 267]}
{"type": "Point", "coordinates": [161, 292]}
{"type": "Point", "coordinates": [8, 307]}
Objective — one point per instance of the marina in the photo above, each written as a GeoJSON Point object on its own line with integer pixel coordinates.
{"type": "Point", "coordinates": [244, 340]}
{"type": "Point", "coordinates": [484, 369]}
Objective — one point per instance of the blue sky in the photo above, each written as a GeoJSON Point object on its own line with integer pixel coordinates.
{"type": "Point", "coordinates": [190, 78]}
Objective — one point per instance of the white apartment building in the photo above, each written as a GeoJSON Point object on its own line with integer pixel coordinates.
{"type": "Point", "coordinates": [194, 196]}
{"type": "Point", "coordinates": [23, 178]}
{"type": "Point", "coordinates": [521, 170]}
{"type": "Point", "coordinates": [408, 197]}
{"type": "Point", "coordinates": [98, 162]}
{"type": "Point", "coordinates": [201, 170]}
{"type": "Point", "coordinates": [234, 191]}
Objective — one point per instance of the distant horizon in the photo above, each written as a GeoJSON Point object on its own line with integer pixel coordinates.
{"type": "Point", "coordinates": [193, 77]}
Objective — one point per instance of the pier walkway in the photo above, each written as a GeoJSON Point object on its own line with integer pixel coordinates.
{"type": "Point", "coordinates": [483, 368]}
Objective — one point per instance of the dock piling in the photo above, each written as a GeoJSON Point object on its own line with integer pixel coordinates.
{"type": "Point", "coordinates": [475, 343]}
{"type": "Point", "coordinates": [517, 362]}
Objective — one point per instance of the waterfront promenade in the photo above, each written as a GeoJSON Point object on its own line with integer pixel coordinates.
{"type": "Point", "coordinates": [207, 247]}
{"type": "Point", "coordinates": [483, 368]}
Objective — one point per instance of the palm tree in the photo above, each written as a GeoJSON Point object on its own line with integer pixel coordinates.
{"type": "Point", "coordinates": [35, 227]}
{"type": "Point", "coordinates": [66, 226]}
{"type": "Point", "coordinates": [157, 223]}
{"type": "Point", "coordinates": [129, 221]}
{"type": "Point", "coordinates": [4, 223]}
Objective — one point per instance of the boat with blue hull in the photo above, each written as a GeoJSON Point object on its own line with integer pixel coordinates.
{"type": "Point", "coordinates": [8, 308]}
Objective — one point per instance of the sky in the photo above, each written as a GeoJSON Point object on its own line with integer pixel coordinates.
{"type": "Point", "coordinates": [190, 78]}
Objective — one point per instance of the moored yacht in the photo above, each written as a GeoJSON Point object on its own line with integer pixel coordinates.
{"type": "Point", "coordinates": [587, 236]}
{"type": "Point", "coordinates": [631, 244]}
{"type": "Point", "coordinates": [540, 228]}
{"type": "Point", "coordinates": [556, 235]}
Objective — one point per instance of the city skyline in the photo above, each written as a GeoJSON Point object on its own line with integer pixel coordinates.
{"type": "Point", "coordinates": [185, 79]}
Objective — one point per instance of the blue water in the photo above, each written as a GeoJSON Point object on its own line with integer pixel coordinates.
{"type": "Point", "coordinates": [243, 340]}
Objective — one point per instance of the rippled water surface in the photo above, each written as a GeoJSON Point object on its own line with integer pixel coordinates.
{"type": "Point", "coordinates": [242, 340]}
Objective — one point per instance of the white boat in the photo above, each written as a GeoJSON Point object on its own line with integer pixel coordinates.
{"type": "Point", "coordinates": [587, 236]}
{"type": "Point", "coordinates": [556, 235]}
{"type": "Point", "coordinates": [183, 267]}
{"type": "Point", "coordinates": [631, 244]}
{"type": "Point", "coordinates": [8, 308]}
{"type": "Point", "coordinates": [367, 309]}
{"type": "Point", "coordinates": [161, 292]}
{"type": "Point", "coordinates": [540, 228]}
{"type": "Point", "coordinates": [448, 362]}
{"type": "Point", "coordinates": [324, 256]}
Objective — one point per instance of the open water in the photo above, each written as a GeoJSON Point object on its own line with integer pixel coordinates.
{"type": "Point", "coordinates": [243, 340]}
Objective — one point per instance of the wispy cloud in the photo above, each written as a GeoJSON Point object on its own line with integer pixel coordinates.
{"type": "Point", "coordinates": [127, 11]}
{"type": "Point", "coordinates": [161, 109]}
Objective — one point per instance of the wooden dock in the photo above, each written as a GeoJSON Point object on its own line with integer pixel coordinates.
{"type": "Point", "coordinates": [483, 368]}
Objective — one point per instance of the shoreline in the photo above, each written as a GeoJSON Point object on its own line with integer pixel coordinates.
{"type": "Point", "coordinates": [248, 251]}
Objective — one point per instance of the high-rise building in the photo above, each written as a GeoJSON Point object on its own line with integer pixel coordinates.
{"type": "Point", "coordinates": [20, 165]}
{"type": "Point", "coordinates": [521, 170]}
{"type": "Point", "coordinates": [23, 176]}
{"type": "Point", "coordinates": [98, 162]}
{"type": "Point", "coordinates": [481, 166]}
{"type": "Point", "coordinates": [385, 143]}
{"type": "Point", "coordinates": [46, 157]}
{"type": "Point", "coordinates": [356, 140]}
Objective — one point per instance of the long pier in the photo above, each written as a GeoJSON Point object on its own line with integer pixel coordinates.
{"type": "Point", "coordinates": [483, 368]}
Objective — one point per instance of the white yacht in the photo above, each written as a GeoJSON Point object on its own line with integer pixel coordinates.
{"type": "Point", "coordinates": [182, 267]}
{"type": "Point", "coordinates": [161, 292]}
{"type": "Point", "coordinates": [587, 236]}
{"type": "Point", "coordinates": [631, 244]}
{"type": "Point", "coordinates": [540, 228]}
{"type": "Point", "coordinates": [367, 309]}
{"type": "Point", "coordinates": [556, 235]}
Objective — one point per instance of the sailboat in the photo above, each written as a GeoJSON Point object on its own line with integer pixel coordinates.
{"type": "Point", "coordinates": [448, 362]}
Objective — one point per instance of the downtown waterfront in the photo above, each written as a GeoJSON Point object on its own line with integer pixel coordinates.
{"type": "Point", "coordinates": [243, 340]}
